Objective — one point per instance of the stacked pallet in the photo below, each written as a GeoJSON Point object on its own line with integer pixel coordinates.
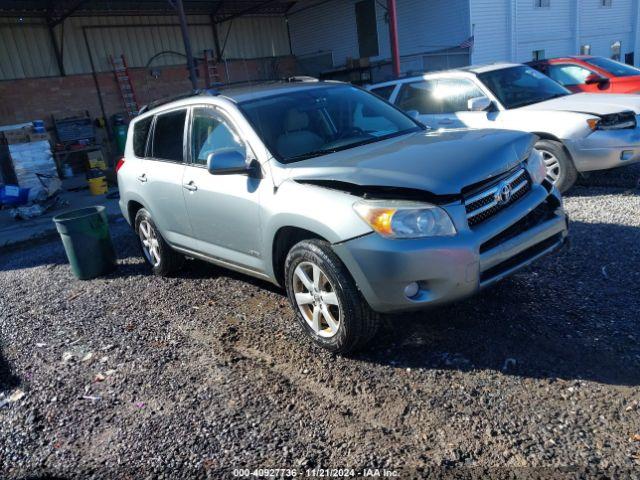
{"type": "Point", "coordinates": [30, 162]}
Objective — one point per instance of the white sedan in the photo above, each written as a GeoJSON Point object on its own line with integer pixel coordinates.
{"type": "Point", "coordinates": [580, 132]}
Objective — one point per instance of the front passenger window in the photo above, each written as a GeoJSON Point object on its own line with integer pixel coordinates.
{"type": "Point", "coordinates": [569, 75]}
{"type": "Point", "coordinates": [455, 93]}
{"type": "Point", "coordinates": [419, 96]}
{"type": "Point", "coordinates": [211, 133]}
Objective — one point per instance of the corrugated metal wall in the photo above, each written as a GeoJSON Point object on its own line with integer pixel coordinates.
{"type": "Point", "coordinates": [26, 50]}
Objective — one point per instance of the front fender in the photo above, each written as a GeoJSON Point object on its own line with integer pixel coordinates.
{"type": "Point", "coordinates": [325, 212]}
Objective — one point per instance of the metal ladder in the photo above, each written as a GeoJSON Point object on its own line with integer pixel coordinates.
{"type": "Point", "coordinates": [211, 69]}
{"type": "Point", "coordinates": [127, 92]}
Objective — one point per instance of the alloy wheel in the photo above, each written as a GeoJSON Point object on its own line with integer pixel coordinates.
{"type": "Point", "coordinates": [150, 243]}
{"type": "Point", "coordinates": [553, 166]}
{"type": "Point", "coordinates": [316, 299]}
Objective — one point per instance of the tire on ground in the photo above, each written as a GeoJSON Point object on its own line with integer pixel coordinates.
{"type": "Point", "coordinates": [170, 260]}
{"type": "Point", "coordinates": [568, 173]}
{"type": "Point", "coordinates": [359, 323]}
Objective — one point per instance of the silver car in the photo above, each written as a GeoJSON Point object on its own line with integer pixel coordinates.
{"type": "Point", "coordinates": [578, 133]}
{"type": "Point", "coordinates": [337, 196]}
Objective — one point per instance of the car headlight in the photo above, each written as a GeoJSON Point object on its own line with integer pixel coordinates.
{"type": "Point", "coordinates": [613, 121]}
{"type": "Point", "coordinates": [403, 219]}
{"type": "Point", "coordinates": [537, 168]}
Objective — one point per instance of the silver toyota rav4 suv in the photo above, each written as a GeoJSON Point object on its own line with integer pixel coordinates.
{"type": "Point", "coordinates": [337, 196]}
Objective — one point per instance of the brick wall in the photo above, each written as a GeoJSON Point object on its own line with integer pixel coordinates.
{"type": "Point", "coordinates": [38, 98]}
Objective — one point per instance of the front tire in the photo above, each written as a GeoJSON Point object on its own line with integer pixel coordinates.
{"type": "Point", "coordinates": [156, 251]}
{"type": "Point", "coordinates": [327, 303]}
{"type": "Point", "coordinates": [560, 169]}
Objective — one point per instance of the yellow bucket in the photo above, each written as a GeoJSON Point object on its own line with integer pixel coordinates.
{"type": "Point", "coordinates": [98, 185]}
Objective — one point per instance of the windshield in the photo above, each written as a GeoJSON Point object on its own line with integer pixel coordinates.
{"type": "Point", "coordinates": [316, 121]}
{"type": "Point", "coordinates": [616, 69]}
{"type": "Point", "coordinates": [519, 86]}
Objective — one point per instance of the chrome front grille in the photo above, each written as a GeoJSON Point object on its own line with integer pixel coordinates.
{"type": "Point", "coordinates": [487, 203]}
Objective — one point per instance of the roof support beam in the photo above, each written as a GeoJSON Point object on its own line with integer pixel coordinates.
{"type": "Point", "coordinates": [56, 49]}
{"type": "Point", "coordinates": [216, 38]}
{"type": "Point", "coordinates": [246, 11]}
{"type": "Point", "coordinates": [53, 21]}
{"type": "Point", "coordinates": [187, 43]}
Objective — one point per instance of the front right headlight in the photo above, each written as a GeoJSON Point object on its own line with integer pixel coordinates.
{"type": "Point", "coordinates": [404, 219]}
{"type": "Point", "coordinates": [536, 166]}
{"type": "Point", "coordinates": [613, 121]}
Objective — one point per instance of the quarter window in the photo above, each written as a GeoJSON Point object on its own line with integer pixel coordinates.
{"type": "Point", "coordinates": [168, 136]}
{"type": "Point", "coordinates": [384, 92]}
{"type": "Point", "coordinates": [568, 75]}
{"type": "Point", "coordinates": [140, 134]}
{"type": "Point", "coordinates": [211, 133]}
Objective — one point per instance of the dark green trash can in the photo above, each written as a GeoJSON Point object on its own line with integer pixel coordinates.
{"type": "Point", "coordinates": [86, 239]}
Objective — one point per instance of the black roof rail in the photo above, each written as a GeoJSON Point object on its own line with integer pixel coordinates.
{"type": "Point", "coordinates": [173, 98]}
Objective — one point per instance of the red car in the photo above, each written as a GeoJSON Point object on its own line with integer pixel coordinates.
{"type": "Point", "coordinates": [591, 74]}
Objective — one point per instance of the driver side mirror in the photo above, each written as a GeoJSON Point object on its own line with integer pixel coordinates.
{"type": "Point", "coordinates": [228, 162]}
{"type": "Point", "coordinates": [413, 114]}
{"type": "Point", "coordinates": [595, 78]}
{"type": "Point", "coordinates": [479, 104]}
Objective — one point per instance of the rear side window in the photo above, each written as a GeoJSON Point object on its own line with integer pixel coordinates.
{"type": "Point", "coordinates": [168, 136]}
{"type": "Point", "coordinates": [140, 134]}
{"type": "Point", "coordinates": [384, 92]}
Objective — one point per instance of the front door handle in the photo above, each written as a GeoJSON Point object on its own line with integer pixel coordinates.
{"type": "Point", "coordinates": [142, 178]}
{"type": "Point", "coordinates": [190, 186]}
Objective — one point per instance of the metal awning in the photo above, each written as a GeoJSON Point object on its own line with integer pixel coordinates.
{"type": "Point", "coordinates": [59, 9]}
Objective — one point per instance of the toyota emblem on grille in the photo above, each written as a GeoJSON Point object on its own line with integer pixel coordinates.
{"type": "Point", "coordinates": [503, 194]}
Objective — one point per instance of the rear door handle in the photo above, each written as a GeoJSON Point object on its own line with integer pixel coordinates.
{"type": "Point", "coordinates": [190, 186]}
{"type": "Point", "coordinates": [142, 178]}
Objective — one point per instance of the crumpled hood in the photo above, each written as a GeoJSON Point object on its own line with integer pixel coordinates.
{"type": "Point", "coordinates": [593, 103]}
{"type": "Point", "coordinates": [441, 163]}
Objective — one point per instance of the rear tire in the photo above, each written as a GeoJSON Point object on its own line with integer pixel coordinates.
{"type": "Point", "coordinates": [560, 169]}
{"type": "Point", "coordinates": [162, 259]}
{"type": "Point", "coordinates": [327, 303]}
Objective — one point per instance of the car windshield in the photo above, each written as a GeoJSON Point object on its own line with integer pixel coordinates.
{"type": "Point", "coordinates": [519, 86]}
{"type": "Point", "coordinates": [315, 121]}
{"type": "Point", "coordinates": [616, 69]}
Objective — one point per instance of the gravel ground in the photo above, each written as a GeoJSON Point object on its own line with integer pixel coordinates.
{"type": "Point", "coordinates": [135, 376]}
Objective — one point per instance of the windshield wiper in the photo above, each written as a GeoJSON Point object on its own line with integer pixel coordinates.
{"type": "Point", "coordinates": [314, 153]}
{"type": "Point", "coordinates": [326, 151]}
{"type": "Point", "coordinates": [539, 100]}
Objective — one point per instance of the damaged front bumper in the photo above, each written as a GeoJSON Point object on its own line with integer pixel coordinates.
{"type": "Point", "coordinates": [605, 149]}
{"type": "Point", "coordinates": [451, 268]}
